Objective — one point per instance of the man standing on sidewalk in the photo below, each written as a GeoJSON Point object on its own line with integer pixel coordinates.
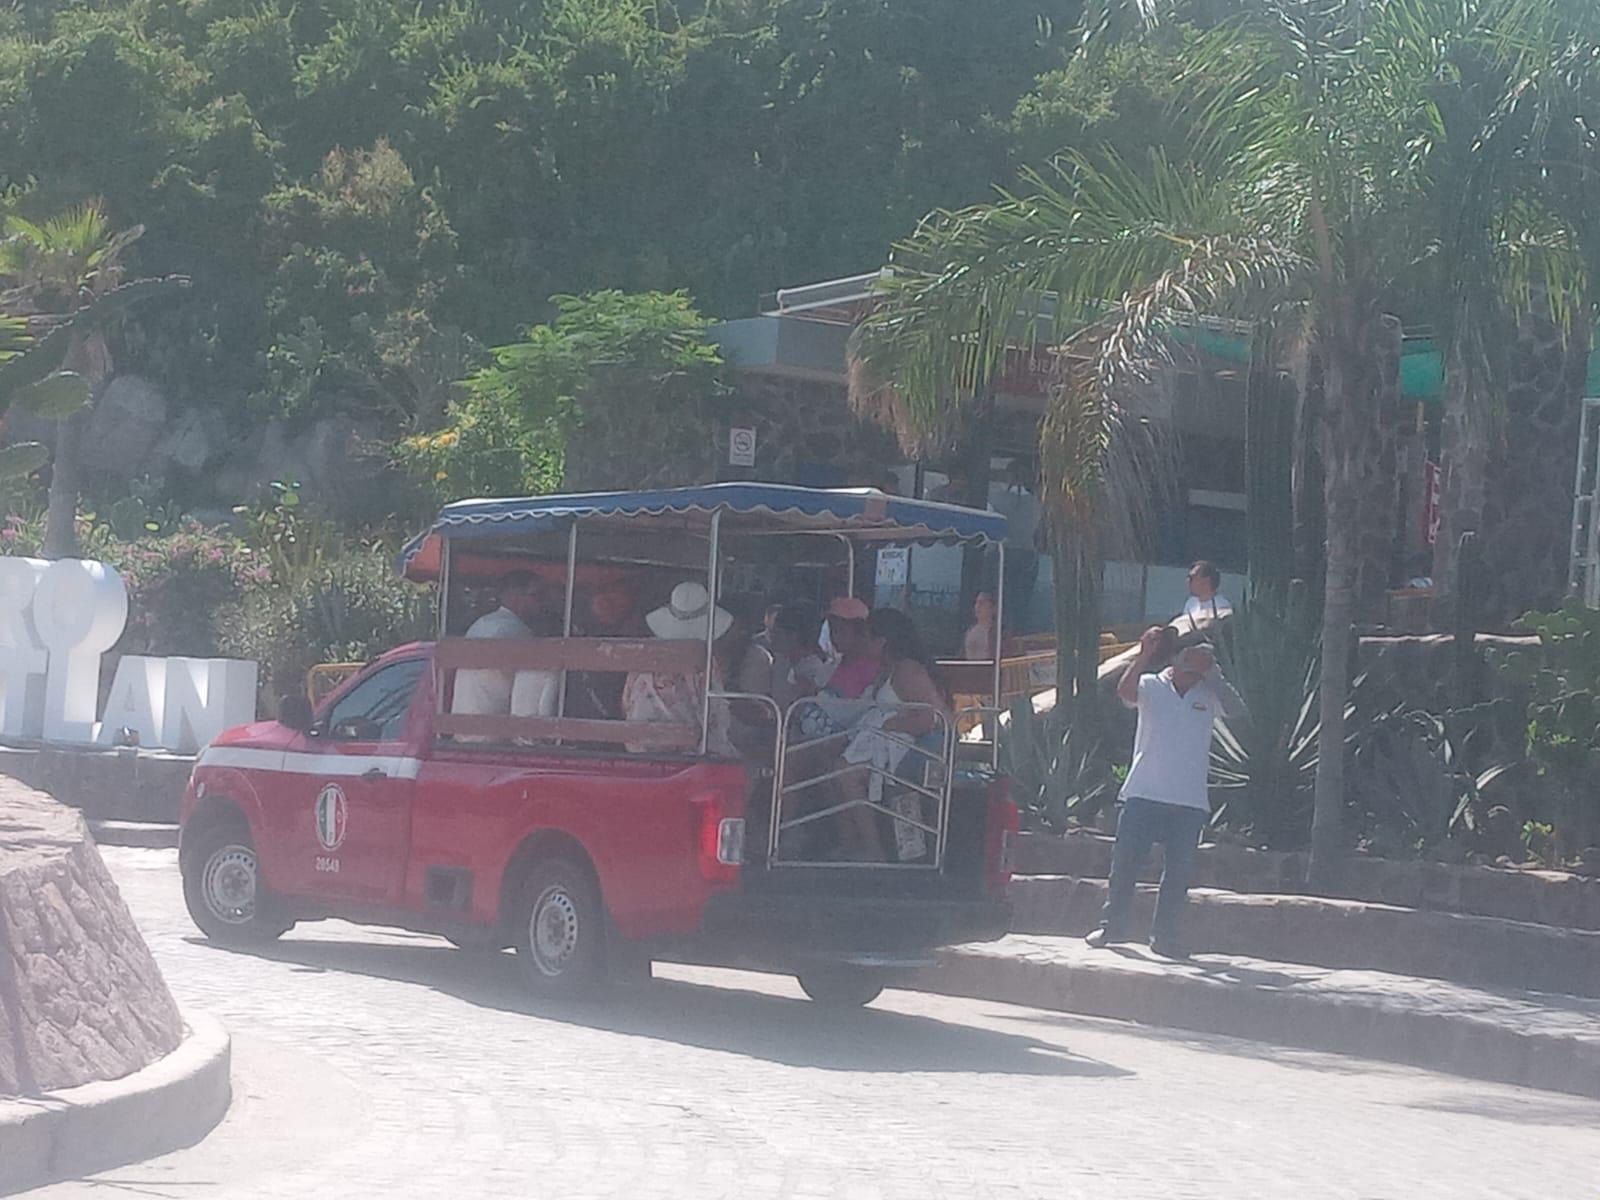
{"type": "Point", "coordinates": [1164, 797]}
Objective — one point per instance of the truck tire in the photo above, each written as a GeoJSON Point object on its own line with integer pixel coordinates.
{"type": "Point", "coordinates": [558, 927]}
{"type": "Point", "coordinates": [840, 987]}
{"type": "Point", "coordinates": [223, 892]}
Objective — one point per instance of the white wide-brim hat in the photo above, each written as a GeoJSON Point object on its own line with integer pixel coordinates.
{"type": "Point", "coordinates": [683, 618]}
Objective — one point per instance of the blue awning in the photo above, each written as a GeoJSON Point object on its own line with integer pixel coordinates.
{"type": "Point", "coordinates": [755, 507]}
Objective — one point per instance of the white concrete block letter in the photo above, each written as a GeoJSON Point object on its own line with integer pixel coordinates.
{"type": "Point", "coordinates": [22, 659]}
{"type": "Point", "coordinates": [204, 696]}
{"type": "Point", "coordinates": [79, 610]}
{"type": "Point", "coordinates": [137, 700]}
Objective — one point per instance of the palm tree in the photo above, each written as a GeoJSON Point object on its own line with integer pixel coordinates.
{"type": "Point", "coordinates": [1513, 182]}
{"type": "Point", "coordinates": [66, 275]}
{"type": "Point", "coordinates": [1312, 192]}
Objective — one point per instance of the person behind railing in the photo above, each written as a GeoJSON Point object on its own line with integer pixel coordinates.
{"type": "Point", "coordinates": [611, 611]}
{"type": "Point", "coordinates": [908, 701]}
{"type": "Point", "coordinates": [852, 668]}
{"type": "Point", "coordinates": [490, 692]}
{"type": "Point", "coordinates": [978, 643]}
{"type": "Point", "coordinates": [842, 686]}
{"type": "Point", "coordinates": [784, 669]}
{"type": "Point", "coordinates": [678, 697]}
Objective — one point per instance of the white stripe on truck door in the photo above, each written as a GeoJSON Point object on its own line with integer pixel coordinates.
{"type": "Point", "coordinates": [294, 762]}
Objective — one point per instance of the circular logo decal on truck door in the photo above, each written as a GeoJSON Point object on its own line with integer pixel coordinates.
{"type": "Point", "coordinates": [332, 814]}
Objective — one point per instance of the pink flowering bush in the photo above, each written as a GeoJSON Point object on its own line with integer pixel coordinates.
{"type": "Point", "coordinates": [180, 585]}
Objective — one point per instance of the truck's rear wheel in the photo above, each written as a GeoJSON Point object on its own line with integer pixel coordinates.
{"type": "Point", "coordinates": [841, 987]}
{"type": "Point", "coordinates": [559, 926]}
{"type": "Point", "coordinates": [223, 891]}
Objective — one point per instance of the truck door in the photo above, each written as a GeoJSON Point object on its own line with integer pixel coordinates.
{"type": "Point", "coordinates": [359, 780]}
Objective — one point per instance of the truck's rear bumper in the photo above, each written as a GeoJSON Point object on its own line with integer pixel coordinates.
{"type": "Point", "coordinates": [781, 925]}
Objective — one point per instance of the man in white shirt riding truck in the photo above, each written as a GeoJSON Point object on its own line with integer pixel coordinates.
{"type": "Point", "coordinates": [1164, 796]}
{"type": "Point", "coordinates": [509, 693]}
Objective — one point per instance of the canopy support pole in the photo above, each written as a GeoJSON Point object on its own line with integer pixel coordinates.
{"type": "Point", "coordinates": [999, 649]}
{"type": "Point", "coordinates": [566, 612]}
{"type": "Point", "coordinates": [711, 626]}
{"type": "Point", "coordinates": [444, 587]}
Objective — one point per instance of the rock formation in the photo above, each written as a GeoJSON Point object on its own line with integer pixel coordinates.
{"type": "Point", "coordinates": [81, 998]}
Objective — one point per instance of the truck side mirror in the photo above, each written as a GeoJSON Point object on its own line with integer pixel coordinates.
{"type": "Point", "coordinates": [295, 712]}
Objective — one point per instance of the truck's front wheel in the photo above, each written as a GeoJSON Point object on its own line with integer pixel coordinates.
{"type": "Point", "coordinates": [841, 987]}
{"type": "Point", "coordinates": [223, 891]}
{"type": "Point", "coordinates": [559, 926]}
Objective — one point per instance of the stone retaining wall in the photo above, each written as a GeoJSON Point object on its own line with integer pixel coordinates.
{"type": "Point", "coordinates": [105, 784]}
{"type": "Point", "coordinates": [81, 998]}
{"type": "Point", "coordinates": [1542, 897]}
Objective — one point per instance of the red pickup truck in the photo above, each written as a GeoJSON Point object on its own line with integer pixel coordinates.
{"type": "Point", "coordinates": [543, 833]}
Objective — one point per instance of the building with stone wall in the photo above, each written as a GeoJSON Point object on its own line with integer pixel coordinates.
{"type": "Point", "coordinates": [791, 377]}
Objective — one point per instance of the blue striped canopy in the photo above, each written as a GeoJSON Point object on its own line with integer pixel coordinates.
{"type": "Point", "coordinates": [865, 513]}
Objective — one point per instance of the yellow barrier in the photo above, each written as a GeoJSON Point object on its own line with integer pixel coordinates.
{"type": "Point", "coordinates": [324, 678]}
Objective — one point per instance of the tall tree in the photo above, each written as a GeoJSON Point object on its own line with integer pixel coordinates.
{"type": "Point", "coordinates": [1308, 185]}
{"type": "Point", "coordinates": [66, 274]}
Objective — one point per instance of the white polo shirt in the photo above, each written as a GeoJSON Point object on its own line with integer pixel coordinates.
{"type": "Point", "coordinates": [1172, 745]}
{"type": "Point", "coordinates": [504, 693]}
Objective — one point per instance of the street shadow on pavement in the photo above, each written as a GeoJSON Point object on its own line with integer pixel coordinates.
{"type": "Point", "coordinates": [1223, 969]}
{"type": "Point", "coordinates": [1325, 1062]}
{"type": "Point", "coordinates": [732, 1019]}
{"type": "Point", "coordinates": [1575, 1111]}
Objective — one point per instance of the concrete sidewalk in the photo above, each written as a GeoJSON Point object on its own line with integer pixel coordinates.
{"type": "Point", "coordinates": [1535, 1039]}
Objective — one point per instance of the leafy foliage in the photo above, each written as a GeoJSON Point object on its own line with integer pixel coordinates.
{"type": "Point", "coordinates": [1263, 765]}
{"type": "Point", "coordinates": [360, 189]}
{"type": "Point", "coordinates": [294, 544]}
{"type": "Point", "coordinates": [1562, 718]}
{"type": "Point", "coordinates": [618, 391]}
{"type": "Point", "coordinates": [348, 610]}
{"type": "Point", "coordinates": [1058, 774]}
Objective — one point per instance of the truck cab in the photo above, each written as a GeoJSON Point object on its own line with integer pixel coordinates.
{"type": "Point", "coordinates": [592, 842]}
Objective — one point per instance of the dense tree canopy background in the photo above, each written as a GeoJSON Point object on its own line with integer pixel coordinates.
{"type": "Point", "coordinates": [367, 193]}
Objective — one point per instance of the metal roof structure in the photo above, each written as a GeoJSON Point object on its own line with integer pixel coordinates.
{"type": "Point", "coordinates": [864, 514]}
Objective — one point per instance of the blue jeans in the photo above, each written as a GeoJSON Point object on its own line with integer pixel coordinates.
{"type": "Point", "coordinates": [1142, 824]}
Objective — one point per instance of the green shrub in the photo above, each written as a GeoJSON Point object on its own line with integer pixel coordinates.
{"type": "Point", "coordinates": [1561, 686]}
{"type": "Point", "coordinates": [1264, 764]}
{"type": "Point", "coordinates": [1058, 775]}
{"type": "Point", "coordinates": [348, 610]}
{"type": "Point", "coordinates": [180, 587]}
{"type": "Point", "coordinates": [179, 584]}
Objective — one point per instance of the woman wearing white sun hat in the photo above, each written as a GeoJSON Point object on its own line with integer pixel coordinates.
{"type": "Point", "coordinates": [678, 697]}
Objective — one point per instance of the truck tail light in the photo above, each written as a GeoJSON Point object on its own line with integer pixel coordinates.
{"type": "Point", "coordinates": [721, 841]}
{"type": "Point", "coordinates": [1005, 821]}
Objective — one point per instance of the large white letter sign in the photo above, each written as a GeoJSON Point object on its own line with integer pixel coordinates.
{"type": "Point", "coordinates": [22, 659]}
{"type": "Point", "coordinates": [203, 697]}
{"type": "Point", "coordinates": [136, 701]}
{"type": "Point", "coordinates": [79, 609]}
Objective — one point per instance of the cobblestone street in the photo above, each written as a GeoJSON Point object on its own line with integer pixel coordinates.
{"type": "Point", "coordinates": [376, 1064]}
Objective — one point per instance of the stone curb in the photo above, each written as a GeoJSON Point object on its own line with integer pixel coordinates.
{"type": "Point", "coordinates": [147, 835]}
{"type": "Point", "coordinates": [172, 1103]}
{"type": "Point", "coordinates": [1339, 934]}
{"type": "Point", "coordinates": [1555, 898]}
{"type": "Point", "coordinates": [1363, 1027]}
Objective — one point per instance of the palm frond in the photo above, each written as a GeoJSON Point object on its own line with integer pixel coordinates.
{"type": "Point", "coordinates": [971, 290]}
{"type": "Point", "coordinates": [81, 231]}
